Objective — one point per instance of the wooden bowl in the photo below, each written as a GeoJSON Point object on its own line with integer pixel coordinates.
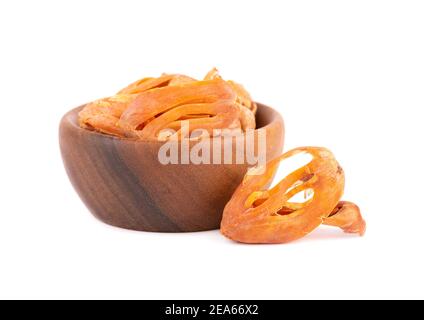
{"type": "Point", "coordinates": [123, 183]}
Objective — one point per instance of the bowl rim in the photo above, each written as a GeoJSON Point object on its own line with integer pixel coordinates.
{"type": "Point", "coordinates": [71, 117]}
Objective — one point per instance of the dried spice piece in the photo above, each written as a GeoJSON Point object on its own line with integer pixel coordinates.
{"type": "Point", "coordinates": [180, 79]}
{"type": "Point", "coordinates": [102, 115]}
{"type": "Point", "coordinates": [257, 215]}
{"type": "Point", "coordinates": [147, 106]}
{"type": "Point", "coordinates": [146, 84]}
{"type": "Point", "coordinates": [347, 216]}
{"type": "Point", "coordinates": [243, 97]}
{"type": "Point", "coordinates": [205, 116]}
{"type": "Point", "coordinates": [153, 103]}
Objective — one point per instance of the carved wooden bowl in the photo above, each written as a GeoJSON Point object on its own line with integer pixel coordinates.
{"type": "Point", "coordinates": [123, 183]}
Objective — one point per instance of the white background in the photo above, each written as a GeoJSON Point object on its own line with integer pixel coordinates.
{"type": "Point", "coordinates": [348, 75]}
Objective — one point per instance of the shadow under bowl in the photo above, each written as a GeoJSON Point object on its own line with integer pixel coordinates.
{"type": "Point", "coordinates": [123, 183]}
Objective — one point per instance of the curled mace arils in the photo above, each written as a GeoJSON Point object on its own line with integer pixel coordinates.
{"type": "Point", "coordinates": [223, 114]}
{"type": "Point", "coordinates": [243, 97]}
{"type": "Point", "coordinates": [147, 106]}
{"type": "Point", "coordinates": [102, 115]}
{"type": "Point", "coordinates": [255, 215]}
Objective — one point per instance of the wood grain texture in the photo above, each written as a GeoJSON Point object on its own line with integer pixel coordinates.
{"type": "Point", "coordinates": [123, 183]}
